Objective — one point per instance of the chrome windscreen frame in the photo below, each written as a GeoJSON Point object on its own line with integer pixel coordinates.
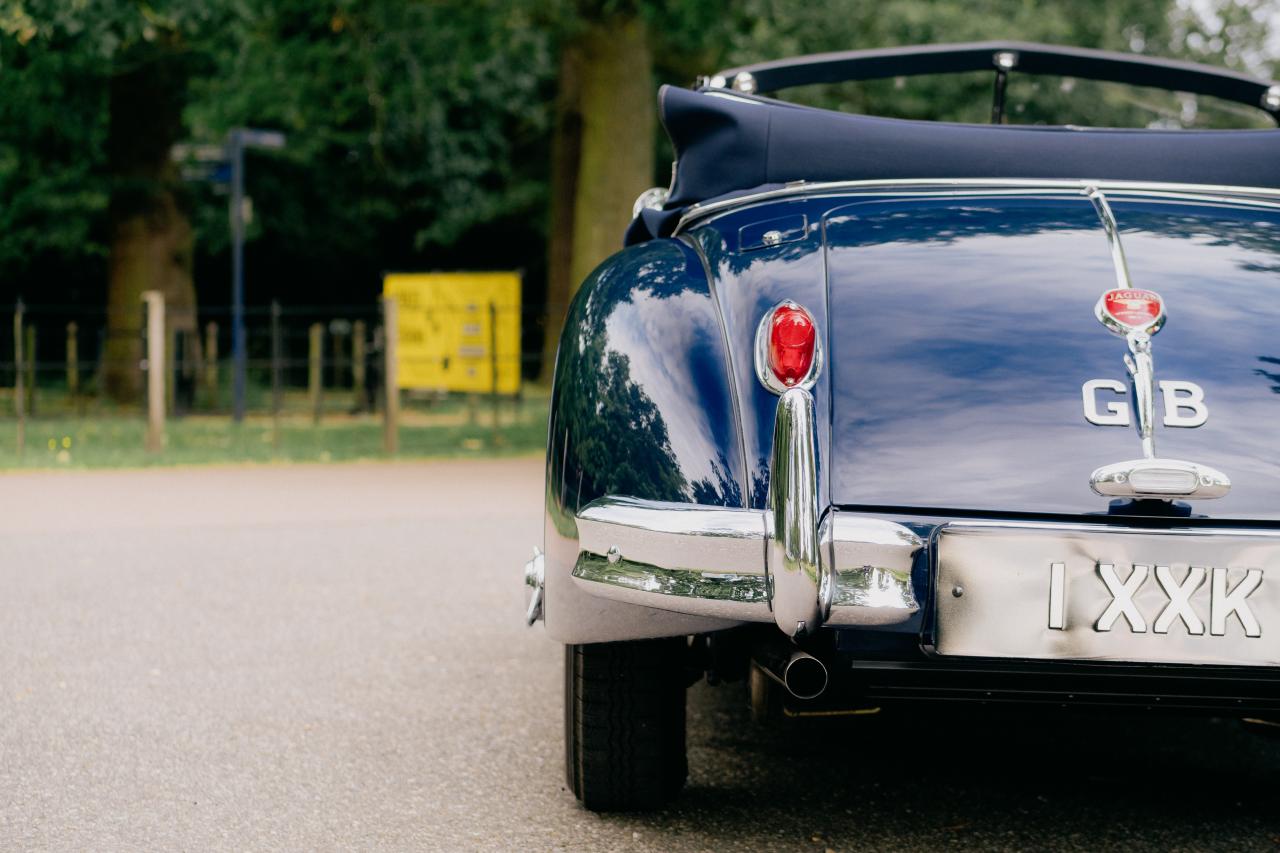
{"type": "Point", "coordinates": [791, 564]}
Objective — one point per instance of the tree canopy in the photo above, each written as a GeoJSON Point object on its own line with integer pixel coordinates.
{"type": "Point", "coordinates": [424, 134]}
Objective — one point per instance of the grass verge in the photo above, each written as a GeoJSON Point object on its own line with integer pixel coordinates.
{"type": "Point", "coordinates": [115, 442]}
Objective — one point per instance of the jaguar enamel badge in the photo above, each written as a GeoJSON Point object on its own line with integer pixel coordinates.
{"type": "Point", "coordinates": [1131, 311]}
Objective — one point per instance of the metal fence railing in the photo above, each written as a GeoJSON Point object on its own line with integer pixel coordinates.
{"type": "Point", "coordinates": [304, 366]}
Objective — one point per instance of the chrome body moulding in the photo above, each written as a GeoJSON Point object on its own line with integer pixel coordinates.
{"type": "Point", "coordinates": [790, 564]}
{"type": "Point", "coordinates": [651, 552]}
{"type": "Point", "coordinates": [1159, 478]}
{"type": "Point", "coordinates": [1150, 476]}
{"type": "Point", "coordinates": [801, 591]}
{"type": "Point", "coordinates": [871, 563]}
{"type": "Point", "coordinates": [865, 563]}
{"type": "Point", "coordinates": [697, 213]}
{"type": "Point", "coordinates": [651, 199]}
{"type": "Point", "coordinates": [534, 577]}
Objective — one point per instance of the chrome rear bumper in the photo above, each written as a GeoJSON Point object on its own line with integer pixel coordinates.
{"type": "Point", "coordinates": [791, 564]}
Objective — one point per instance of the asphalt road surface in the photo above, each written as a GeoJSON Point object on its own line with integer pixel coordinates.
{"type": "Point", "coordinates": [335, 658]}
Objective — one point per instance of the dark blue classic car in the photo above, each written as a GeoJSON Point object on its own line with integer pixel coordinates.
{"type": "Point", "coordinates": [872, 411]}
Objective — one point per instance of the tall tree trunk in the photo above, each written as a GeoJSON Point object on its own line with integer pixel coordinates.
{"type": "Point", "coordinates": [151, 237]}
{"type": "Point", "coordinates": [612, 71]}
{"type": "Point", "coordinates": [616, 162]}
{"type": "Point", "coordinates": [566, 151]}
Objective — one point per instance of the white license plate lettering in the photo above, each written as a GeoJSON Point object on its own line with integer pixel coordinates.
{"type": "Point", "coordinates": [1084, 592]}
{"type": "Point", "coordinates": [1179, 606]}
{"type": "Point", "coordinates": [1186, 597]}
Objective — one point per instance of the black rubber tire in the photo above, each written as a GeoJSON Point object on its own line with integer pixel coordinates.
{"type": "Point", "coordinates": [625, 723]}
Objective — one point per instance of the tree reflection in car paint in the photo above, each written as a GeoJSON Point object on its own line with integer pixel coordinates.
{"type": "Point", "coordinates": [641, 403]}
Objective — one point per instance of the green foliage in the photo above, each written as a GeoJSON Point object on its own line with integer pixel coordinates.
{"type": "Point", "coordinates": [410, 115]}
{"type": "Point", "coordinates": [57, 60]}
{"type": "Point", "coordinates": [418, 129]}
{"type": "Point", "coordinates": [119, 442]}
{"type": "Point", "coordinates": [409, 123]}
{"type": "Point", "coordinates": [50, 187]}
{"type": "Point", "coordinates": [1231, 32]}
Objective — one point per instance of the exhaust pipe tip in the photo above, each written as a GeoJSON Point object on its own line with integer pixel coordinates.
{"type": "Point", "coordinates": [804, 676]}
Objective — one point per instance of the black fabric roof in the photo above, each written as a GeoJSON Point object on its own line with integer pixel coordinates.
{"type": "Point", "coordinates": [727, 143]}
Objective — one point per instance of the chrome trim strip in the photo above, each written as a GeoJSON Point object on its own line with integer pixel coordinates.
{"type": "Point", "coordinates": [1200, 482]}
{"type": "Point", "coordinates": [1117, 480]}
{"type": "Point", "coordinates": [979, 527]}
{"type": "Point", "coordinates": [802, 591]}
{"type": "Point", "coordinates": [787, 564]}
{"type": "Point", "coordinates": [1013, 186]}
{"type": "Point", "coordinates": [651, 199]}
{"type": "Point", "coordinates": [535, 576]}
{"type": "Point", "coordinates": [871, 561]}
{"type": "Point", "coordinates": [867, 561]}
{"type": "Point", "coordinates": [676, 536]}
{"type": "Point", "coordinates": [739, 596]}
{"type": "Point", "coordinates": [1139, 361]}
{"type": "Point", "coordinates": [1118, 262]}
{"type": "Point", "coordinates": [1141, 367]}
{"type": "Point", "coordinates": [687, 558]}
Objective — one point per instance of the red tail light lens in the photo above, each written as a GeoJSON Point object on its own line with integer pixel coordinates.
{"type": "Point", "coordinates": [792, 339]}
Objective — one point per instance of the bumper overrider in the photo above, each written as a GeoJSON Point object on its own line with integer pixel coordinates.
{"type": "Point", "coordinates": [793, 564]}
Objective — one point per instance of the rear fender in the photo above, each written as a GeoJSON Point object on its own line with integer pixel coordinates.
{"type": "Point", "coordinates": [642, 405]}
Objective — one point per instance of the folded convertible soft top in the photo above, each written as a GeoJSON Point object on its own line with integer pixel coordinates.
{"type": "Point", "coordinates": [728, 143]}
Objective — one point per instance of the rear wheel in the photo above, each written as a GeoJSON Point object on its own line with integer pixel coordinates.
{"type": "Point", "coordinates": [624, 722]}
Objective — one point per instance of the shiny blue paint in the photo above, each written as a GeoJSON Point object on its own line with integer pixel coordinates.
{"type": "Point", "coordinates": [642, 405]}
{"type": "Point", "coordinates": [747, 285]}
{"type": "Point", "coordinates": [966, 329]}
{"type": "Point", "coordinates": [784, 229]}
{"type": "Point", "coordinates": [960, 330]}
{"type": "Point", "coordinates": [966, 335]}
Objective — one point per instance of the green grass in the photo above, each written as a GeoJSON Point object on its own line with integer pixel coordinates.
{"type": "Point", "coordinates": [119, 441]}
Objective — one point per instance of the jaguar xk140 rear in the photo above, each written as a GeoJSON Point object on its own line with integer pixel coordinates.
{"type": "Point", "coordinates": [872, 411]}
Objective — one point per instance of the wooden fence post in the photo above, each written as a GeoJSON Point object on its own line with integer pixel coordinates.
{"type": "Point", "coordinates": [19, 393]}
{"type": "Point", "coordinates": [30, 366]}
{"type": "Point", "coordinates": [338, 331]}
{"type": "Point", "coordinates": [174, 353]}
{"type": "Point", "coordinates": [391, 376]}
{"type": "Point", "coordinates": [211, 364]}
{"type": "Point", "coordinates": [155, 370]}
{"type": "Point", "coordinates": [276, 387]}
{"type": "Point", "coordinates": [358, 331]}
{"type": "Point", "coordinates": [315, 371]}
{"type": "Point", "coordinates": [73, 361]}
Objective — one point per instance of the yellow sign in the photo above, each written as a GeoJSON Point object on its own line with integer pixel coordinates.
{"type": "Point", "coordinates": [452, 324]}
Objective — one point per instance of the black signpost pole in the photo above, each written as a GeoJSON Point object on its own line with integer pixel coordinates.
{"type": "Point", "coordinates": [224, 164]}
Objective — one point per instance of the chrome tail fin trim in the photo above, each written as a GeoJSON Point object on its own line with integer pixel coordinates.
{"type": "Point", "coordinates": [790, 564]}
{"type": "Point", "coordinates": [801, 589]}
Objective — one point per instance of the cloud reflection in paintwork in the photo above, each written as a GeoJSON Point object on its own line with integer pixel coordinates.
{"type": "Point", "coordinates": [959, 360]}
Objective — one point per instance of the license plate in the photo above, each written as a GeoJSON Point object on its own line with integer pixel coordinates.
{"type": "Point", "coordinates": [1093, 593]}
